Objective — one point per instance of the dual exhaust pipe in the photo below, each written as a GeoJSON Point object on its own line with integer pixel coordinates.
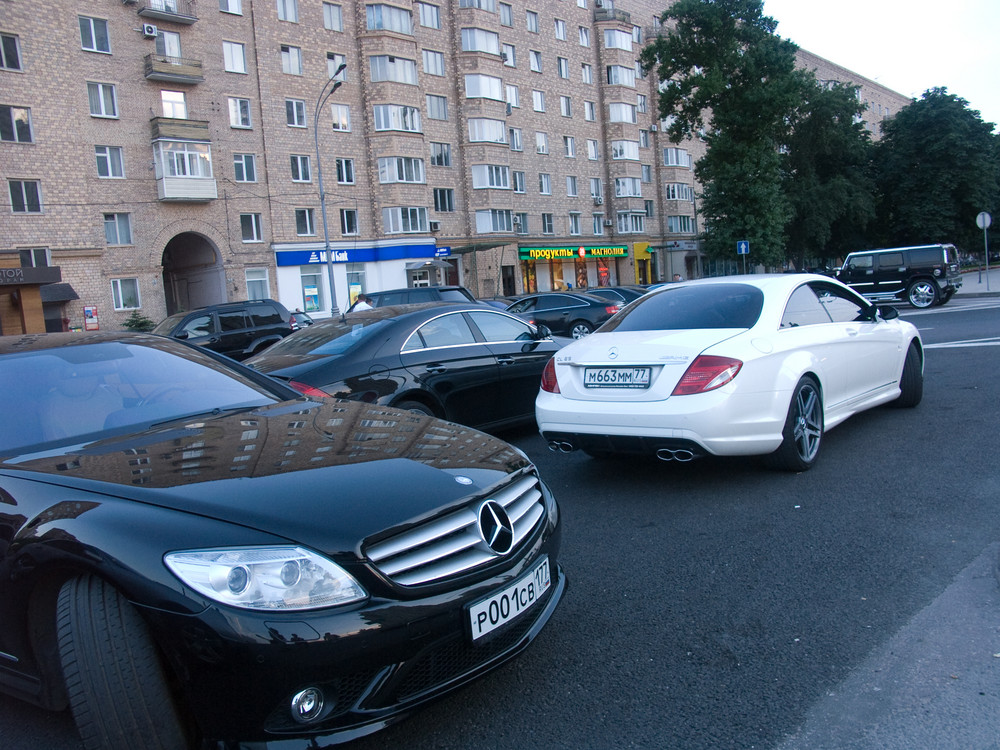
{"type": "Point", "coordinates": [682, 455]}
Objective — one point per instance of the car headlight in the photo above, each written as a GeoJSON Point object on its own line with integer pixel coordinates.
{"type": "Point", "coordinates": [265, 578]}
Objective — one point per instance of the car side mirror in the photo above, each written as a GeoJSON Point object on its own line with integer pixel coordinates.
{"type": "Point", "coordinates": [887, 312]}
{"type": "Point", "coordinates": [543, 332]}
{"type": "Point", "coordinates": [181, 336]}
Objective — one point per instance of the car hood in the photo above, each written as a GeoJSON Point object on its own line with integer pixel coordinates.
{"type": "Point", "coordinates": [323, 474]}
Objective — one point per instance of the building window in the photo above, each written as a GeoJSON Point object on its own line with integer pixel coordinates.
{"type": "Point", "coordinates": [547, 225]}
{"type": "Point", "coordinates": [480, 40]}
{"type": "Point", "coordinates": [647, 173]}
{"type": "Point", "coordinates": [392, 68]}
{"type": "Point", "coordinates": [649, 209]}
{"type": "Point", "coordinates": [345, 171]}
{"type": "Point", "coordinates": [565, 106]}
{"type": "Point", "coordinates": [400, 169]}
{"type": "Point", "coordinates": [348, 221]}
{"type": "Point", "coordinates": [535, 61]}
{"type": "Point", "coordinates": [25, 196]}
{"type": "Point", "coordinates": [234, 57]}
{"type": "Point", "coordinates": [538, 100]}
{"type": "Point", "coordinates": [619, 75]}
{"type": "Point", "coordinates": [239, 112]}
{"type": "Point", "coordinates": [174, 104]}
{"type": "Point", "coordinates": [10, 52]}
{"type": "Point", "coordinates": [593, 150]}
{"type": "Point", "coordinates": [617, 39]}
{"type": "Point", "coordinates": [94, 34]}
{"type": "Point", "coordinates": [569, 146]}
{"type": "Point", "coordinates": [643, 139]}
{"type": "Point", "coordinates": [257, 283]}
{"type": "Point", "coordinates": [430, 15]}
{"type": "Point", "coordinates": [389, 18]}
{"type": "Point", "coordinates": [676, 157]}
{"type": "Point", "coordinates": [506, 14]}
{"type": "Point", "coordinates": [341, 115]}
{"type": "Point", "coordinates": [295, 113]}
{"type": "Point", "coordinates": [437, 107]}
{"type": "Point", "coordinates": [596, 188]}
{"type": "Point", "coordinates": [584, 36]}
{"type": "Point", "coordinates": [231, 6]}
{"type": "Point", "coordinates": [487, 130]}
{"type": "Point", "coordinates": [560, 29]}
{"type": "Point", "coordinates": [333, 63]}
{"type": "Point", "coordinates": [397, 117]}
{"type": "Point", "coordinates": [109, 161]}
{"type": "Point", "coordinates": [36, 257]}
{"type": "Point", "coordinates": [444, 200]}
{"type": "Point", "coordinates": [531, 21]}
{"type": "Point", "coordinates": [625, 150]}
{"type": "Point", "coordinates": [305, 224]}
{"type": "Point", "coordinates": [513, 96]}
{"type": "Point", "coordinates": [433, 63]}
{"type": "Point", "coordinates": [628, 187]}
{"type": "Point", "coordinates": [589, 111]}
{"type": "Point", "coordinates": [125, 294]}
{"type": "Point", "coordinates": [574, 223]}
{"type": "Point", "coordinates": [521, 223]}
{"type": "Point", "coordinates": [680, 224]}
{"type": "Point", "coordinates": [440, 154]}
{"type": "Point", "coordinates": [291, 60]}
{"type": "Point", "coordinates": [118, 229]}
{"type": "Point", "coordinates": [541, 143]}
{"type": "Point", "coordinates": [478, 86]}
{"type": "Point", "coordinates": [182, 159]}
{"type": "Point", "coordinates": [640, 103]}
{"type": "Point", "coordinates": [545, 183]}
{"type": "Point", "coordinates": [562, 67]}
{"type": "Point", "coordinates": [517, 181]}
{"type": "Point", "coordinates": [288, 10]}
{"type": "Point", "coordinates": [300, 168]}
{"type": "Point", "coordinates": [621, 112]}
{"type": "Point", "coordinates": [245, 167]}
{"type": "Point", "coordinates": [494, 220]}
{"type": "Point", "coordinates": [508, 54]}
{"type": "Point", "coordinates": [251, 227]}
{"type": "Point", "coordinates": [571, 187]}
{"type": "Point", "coordinates": [333, 17]}
{"type": "Point", "coordinates": [15, 124]}
{"type": "Point", "coordinates": [490, 176]}
{"type": "Point", "coordinates": [586, 73]}
{"type": "Point", "coordinates": [404, 219]}
{"type": "Point", "coordinates": [514, 136]}
{"type": "Point", "coordinates": [103, 102]}
{"type": "Point", "coordinates": [597, 224]}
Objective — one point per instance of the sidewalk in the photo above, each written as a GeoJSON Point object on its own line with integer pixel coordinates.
{"type": "Point", "coordinates": [974, 283]}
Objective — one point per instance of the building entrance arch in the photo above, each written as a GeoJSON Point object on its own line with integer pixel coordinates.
{"type": "Point", "coordinates": [193, 275]}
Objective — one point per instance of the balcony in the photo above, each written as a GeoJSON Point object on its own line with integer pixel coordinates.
{"type": "Point", "coordinates": [169, 128]}
{"type": "Point", "coordinates": [175, 11]}
{"type": "Point", "coordinates": [182, 157]}
{"type": "Point", "coordinates": [611, 14]}
{"type": "Point", "coordinates": [173, 69]}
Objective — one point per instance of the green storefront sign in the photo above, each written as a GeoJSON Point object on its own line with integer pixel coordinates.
{"type": "Point", "coordinates": [583, 252]}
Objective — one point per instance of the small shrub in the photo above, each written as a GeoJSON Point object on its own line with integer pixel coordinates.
{"type": "Point", "coordinates": [138, 322]}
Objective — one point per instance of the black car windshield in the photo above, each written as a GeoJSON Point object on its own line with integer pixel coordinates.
{"type": "Point", "coordinates": [165, 326]}
{"type": "Point", "coordinates": [326, 338]}
{"type": "Point", "coordinates": [691, 307]}
{"type": "Point", "coordinates": [61, 394]}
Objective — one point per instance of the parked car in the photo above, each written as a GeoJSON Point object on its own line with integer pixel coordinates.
{"type": "Point", "coordinates": [470, 364]}
{"type": "Point", "coordinates": [301, 319]}
{"type": "Point", "coordinates": [236, 329]}
{"type": "Point", "coordinates": [740, 365]}
{"type": "Point", "coordinates": [620, 294]}
{"type": "Point", "coordinates": [416, 295]}
{"type": "Point", "coordinates": [195, 554]}
{"type": "Point", "coordinates": [572, 314]}
{"type": "Point", "coordinates": [924, 275]}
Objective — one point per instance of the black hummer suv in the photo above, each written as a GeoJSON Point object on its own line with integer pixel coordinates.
{"type": "Point", "coordinates": [923, 275]}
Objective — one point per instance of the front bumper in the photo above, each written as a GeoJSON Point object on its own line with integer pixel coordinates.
{"type": "Point", "coordinates": [237, 671]}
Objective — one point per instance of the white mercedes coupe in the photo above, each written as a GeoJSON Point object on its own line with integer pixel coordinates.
{"type": "Point", "coordinates": [730, 366]}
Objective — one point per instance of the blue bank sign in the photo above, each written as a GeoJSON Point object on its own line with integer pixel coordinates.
{"type": "Point", "coordinates": [313, 255]}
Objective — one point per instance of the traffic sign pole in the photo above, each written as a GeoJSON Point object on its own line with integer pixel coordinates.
{"type": "Point", "coordinates": [983, 221]}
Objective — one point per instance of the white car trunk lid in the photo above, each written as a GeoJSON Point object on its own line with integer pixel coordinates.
{"type": "Point", "coordinates": [632, 366]}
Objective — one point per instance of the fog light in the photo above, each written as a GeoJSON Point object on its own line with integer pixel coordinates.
{"type": "Point", "coordinates": [307, 705]}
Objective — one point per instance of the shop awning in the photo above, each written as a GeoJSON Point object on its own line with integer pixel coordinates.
{"type": "Point", "coordinates": [429, 263]}
{"type": "Point", "coordinates": [57, 293]}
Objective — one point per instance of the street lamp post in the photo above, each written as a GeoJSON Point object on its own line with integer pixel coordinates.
{"type": "Point", "coordinates": [324, 94]}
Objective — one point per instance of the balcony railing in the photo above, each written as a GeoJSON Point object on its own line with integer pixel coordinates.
{"type": "Point", "coordinates": [172, 128]}
{"type": "Point", "coordinates": [176, 11]}
{"type": "Point", "coordinates": [173, 69]}
{"type": "Point", "coordinates": [612, 14]}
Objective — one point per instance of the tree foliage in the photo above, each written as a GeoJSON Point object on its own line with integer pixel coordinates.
{"type": "Point", "coordinates": [729, 79]}
{"type": "Point", "coordinates": [937, 168]}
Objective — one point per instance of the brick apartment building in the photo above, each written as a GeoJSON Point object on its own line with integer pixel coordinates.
{"type": "Point", "coordinates": [160, 155]}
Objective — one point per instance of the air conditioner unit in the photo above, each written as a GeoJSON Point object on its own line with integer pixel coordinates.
{"type": "Point", "coordinates": [434, 225]}
{"type": "Point", "coordinates": [149, 30]}
{"type": "Point", "coordinates": [654, 127]}
{"type": "Point", "coordinates": [608, 223]}
{"type": "Point", "coordinates": [516, 220]}
{"type": "Point", "coordinates": [598, 200]}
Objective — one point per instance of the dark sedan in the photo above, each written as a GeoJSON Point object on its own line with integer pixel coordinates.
{"type": "Point", "coordinates": [620, 294]}
{"type": "Point", "coordinates": [469, 364]}
{"type": "Point", "coordinates": [194, 555]}
{"type": "Point", "coordinates": [572, 314]}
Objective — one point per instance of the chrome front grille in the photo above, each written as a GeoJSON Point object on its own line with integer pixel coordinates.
{"type": "Point", "coordinates": [451, 544]}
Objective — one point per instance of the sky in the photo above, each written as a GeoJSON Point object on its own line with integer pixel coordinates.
{"type": "Point", "coordinates": [908, 46]}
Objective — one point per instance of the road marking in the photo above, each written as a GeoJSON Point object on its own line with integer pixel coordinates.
{"type": "Point", "coordinates": [991, 341]}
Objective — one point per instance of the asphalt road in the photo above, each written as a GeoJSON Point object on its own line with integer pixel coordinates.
{"type": "Point", "coordinates": [716, 604]}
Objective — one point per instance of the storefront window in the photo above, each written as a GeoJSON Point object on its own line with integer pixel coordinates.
{"type": "Point", "coordinates": [311, 298]}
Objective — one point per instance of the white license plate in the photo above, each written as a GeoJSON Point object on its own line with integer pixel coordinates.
{"type": "Point", "coordinates": [503, 606]}
{"type": "Point", "coordinates": [616, 377]}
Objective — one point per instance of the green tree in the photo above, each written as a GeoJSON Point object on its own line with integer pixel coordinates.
{"type": "Point", "coordinates": [827, 182]}
{"type": "Point", "coordinates": [937, 168]}
{"type": "Point", "coordinates": [729, 79]}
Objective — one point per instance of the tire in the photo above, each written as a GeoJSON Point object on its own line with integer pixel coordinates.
{"type": "Point", "coordinates": [417, 406]}
{"type": "Point", "coordinates": [803, 430]}
{"type": "Point", "coordinates": [922, 293]}
{"type": "Point", "coordinates": [580, 329]}
{"type": "Point", "coordinates": [911, 382]}
{"type": "Point", "coordinates": [116, 684]}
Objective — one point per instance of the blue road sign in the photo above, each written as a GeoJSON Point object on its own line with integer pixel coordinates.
{"type": "Point", "coordinates": [742, 247]}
